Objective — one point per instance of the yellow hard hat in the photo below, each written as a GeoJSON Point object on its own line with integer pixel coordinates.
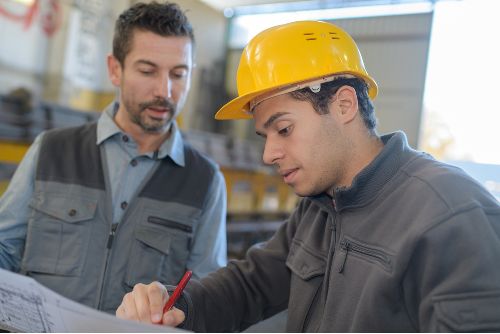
{"type": "Point", "coordinates": [292, 53]}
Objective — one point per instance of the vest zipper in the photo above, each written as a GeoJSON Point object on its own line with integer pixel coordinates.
{"type": "Point", "coordinates": [350, 246]}
{"type": "Point", "coordinates": [111, 235]}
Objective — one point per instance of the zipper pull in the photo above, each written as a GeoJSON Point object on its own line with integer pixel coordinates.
{"type": "Point", "coordinates": [112, 235]}
{"type": "Point", "coordinates": [345, 246]}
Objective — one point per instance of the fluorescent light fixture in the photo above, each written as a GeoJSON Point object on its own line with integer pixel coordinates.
{"type": "Point", "coordinates": [244, 27]}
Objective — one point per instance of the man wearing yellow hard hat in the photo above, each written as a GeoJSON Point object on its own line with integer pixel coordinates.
{"type": "Point", "coordinates": [385, 238]}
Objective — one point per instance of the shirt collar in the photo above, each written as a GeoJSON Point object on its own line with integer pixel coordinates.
{"type": "Point", "coordinates": [106, 126]}
{"type": "Point", "coordinates": [172, 147]}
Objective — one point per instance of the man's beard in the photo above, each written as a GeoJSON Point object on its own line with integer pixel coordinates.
{"type": "Point", "coordinates": [150, 125]}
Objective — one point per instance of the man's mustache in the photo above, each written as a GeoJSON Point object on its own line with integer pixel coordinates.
{"type": "Point", "coordinates": [163, 103]}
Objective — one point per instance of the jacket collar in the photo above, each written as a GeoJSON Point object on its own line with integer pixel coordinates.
{"type": "Point", "coordinates": [370, 181]}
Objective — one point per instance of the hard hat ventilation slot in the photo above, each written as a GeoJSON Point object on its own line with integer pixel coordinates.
{"type": "Point", "coordinates": [312, 38]}
{"type": "Point", "coordinates": [333, 33]}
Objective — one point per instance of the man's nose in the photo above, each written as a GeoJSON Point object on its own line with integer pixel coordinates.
{"type": "Point", "coordinates": [272, 152]}
{"type": "Point", "coordinates": [163, 88]}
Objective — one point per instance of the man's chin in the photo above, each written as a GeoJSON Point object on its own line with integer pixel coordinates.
{"type": "Point", "coordinates": [306, 192]}
{"type": "Point", "coordinates": [156, 126]}
{"type": "Point", "coordinates": [152, 129]}
{"type": "Point", "coordinates": [299, 192]}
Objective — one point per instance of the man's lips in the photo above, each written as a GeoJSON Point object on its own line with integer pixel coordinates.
{"type": "Point", "coordinates": [159, 109]}
{"type": "Point", "coordinates": [158, 112]}
{"type": "Point", "coordinates": [288, 174]}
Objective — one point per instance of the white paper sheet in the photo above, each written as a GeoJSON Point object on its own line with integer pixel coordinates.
{"type": "Point", "coordinates": [27, 306]}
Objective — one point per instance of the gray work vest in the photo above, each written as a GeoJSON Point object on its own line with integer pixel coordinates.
{"type": "Point", "coordinates": [74, 248]}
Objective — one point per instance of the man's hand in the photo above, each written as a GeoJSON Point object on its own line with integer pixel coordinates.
{"type": "Point", "coordinates": [145, 304]}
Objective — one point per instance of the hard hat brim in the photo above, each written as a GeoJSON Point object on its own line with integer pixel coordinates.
{"type": "Point", "coordinates": [238, 108]}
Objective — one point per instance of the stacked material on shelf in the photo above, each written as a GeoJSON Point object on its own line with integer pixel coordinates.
{"type": "Point", "coordinates": [21, 121]}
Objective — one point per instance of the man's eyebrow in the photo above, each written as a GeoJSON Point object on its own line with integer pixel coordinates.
{"type": "Point", "coordinates": [145, 62]}
{"type": "Point", "coordinates": [273, 118]}
{"type": "Point", "coordinates": [270, 121]}
{"type": "Point", "coordinates": [181, 66]}
{"type": "Point", "coordinates": [150, 63]}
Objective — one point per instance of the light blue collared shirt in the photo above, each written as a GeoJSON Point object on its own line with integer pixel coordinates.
{"type": "Point", "coordinates": [126, 170]}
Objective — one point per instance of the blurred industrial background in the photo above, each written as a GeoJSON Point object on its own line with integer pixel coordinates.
{"type": "Point", "coordinates": [436, 63]}
{"type": "Point", "coordinates": [432, 60]}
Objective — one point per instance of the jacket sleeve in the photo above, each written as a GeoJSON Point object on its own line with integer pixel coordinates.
{"type": "Point", "coordinates": [244, 292]}
{"type": "Point", "coordinates": [453, 279]}
{"type": "Point", "coordinates": [14, 210]}
{"type": "Point", "coordinates": [209, 251]}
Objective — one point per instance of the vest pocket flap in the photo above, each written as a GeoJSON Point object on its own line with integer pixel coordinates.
{"type": "Point", "coordinates": [66, 208]}
{"type": "Point", "coordinates": [304, 263]}
{"type": "Point", "coordinates": [154, 238]}
{"type": "Point", "coordinates": [468, 312]}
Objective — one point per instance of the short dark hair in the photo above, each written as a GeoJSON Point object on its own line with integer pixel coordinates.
{"type": "Point", "coordinates": [165, 19]}
{"type": "Point", "coordinates": [321, 100]}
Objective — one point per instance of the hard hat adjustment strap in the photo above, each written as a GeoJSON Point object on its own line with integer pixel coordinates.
{"type": "Point", "coordinates": [314, 86]}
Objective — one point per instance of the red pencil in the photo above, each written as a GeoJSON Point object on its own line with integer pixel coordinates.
{"type": "Point", "coordinates": [178, 291]}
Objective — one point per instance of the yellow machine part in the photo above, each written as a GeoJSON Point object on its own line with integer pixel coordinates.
{"type": "Point", "coordinates": [12, 152]}
{"type": "Point", "coordinates": [257, 192]}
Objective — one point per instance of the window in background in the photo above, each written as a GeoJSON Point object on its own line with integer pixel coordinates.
{"type": "Point", "coordinates": [461, 117]}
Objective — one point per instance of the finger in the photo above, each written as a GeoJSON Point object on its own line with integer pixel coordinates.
{"type": "Point", "coordinates": [120, 312]}
{"type": "Point", "coordinates": [157, 296]}
{"type": "Point", "coordinates": [141, 303]}
{"type": "Point", "coordinates": [174, 317]}
{"type": "Point", "coordinates": [127, 309]}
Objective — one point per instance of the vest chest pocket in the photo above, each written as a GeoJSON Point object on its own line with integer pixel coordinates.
{"type": "Point", "coordinates": [58, 235]}
{"type": "Point", "coordinates": [160, 250]}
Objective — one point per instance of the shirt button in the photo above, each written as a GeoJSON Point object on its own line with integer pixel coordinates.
{"type": "Point", "coordinates": [124, 205]}
{"type": "Point", "coordinates": [125, 138]}
{"type": "Point", "coordinates": [72, 212]}
{"type": "Point", "coordinates": [133, 162]}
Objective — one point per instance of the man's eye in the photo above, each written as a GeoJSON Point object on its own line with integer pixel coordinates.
{"type": "Point", "coordinates": [146, 72]}
{"type": "Point", "coordinates": [285, 131]}
{"type": "Point", "coordinates": [179, 75]}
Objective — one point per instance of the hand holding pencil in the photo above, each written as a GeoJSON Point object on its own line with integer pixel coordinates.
{"type": "Point", "coordinates": [152, 304]}
{"type": "Point", "coordinates": [177, 292]}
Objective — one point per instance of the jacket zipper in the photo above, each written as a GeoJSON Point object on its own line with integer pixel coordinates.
{"type": "Point", "coordinates": [350, 246]}
{"type": "Point", "coordinates": [323, 288]}
{"type": "Point", "coordinates": [331, 255]}
{"type": "Point", "coordinates": [171, 224]}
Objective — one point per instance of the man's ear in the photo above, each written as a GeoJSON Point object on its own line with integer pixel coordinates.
{"type": "Point", "coordinates": [346, 103]}
{"type": "Point", "coordinates": [114, 70]}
